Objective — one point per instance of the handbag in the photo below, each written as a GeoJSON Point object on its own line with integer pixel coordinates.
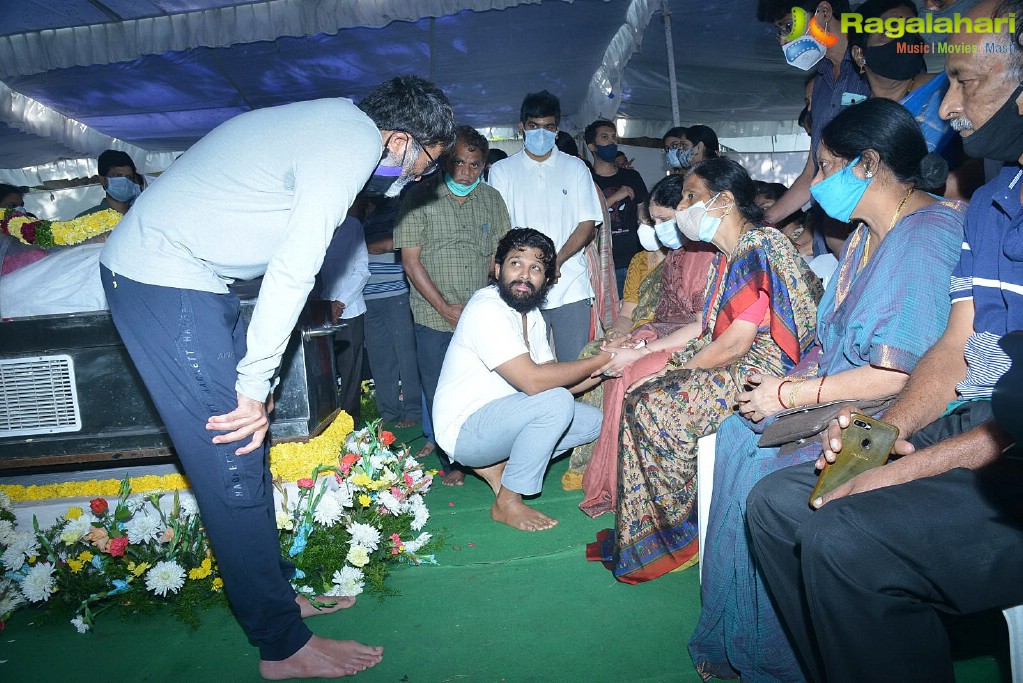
{"type": "Point", "coordinates": [796, 425]}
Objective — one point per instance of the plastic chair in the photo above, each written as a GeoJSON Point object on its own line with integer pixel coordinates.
{"type": "Point", "coordinates": [705, 489]}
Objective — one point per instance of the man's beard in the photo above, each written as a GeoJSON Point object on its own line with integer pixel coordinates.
{"type": "Point", "coordinates": [406, 164]}
{"type": "Point", "coordinates": [522, 302]}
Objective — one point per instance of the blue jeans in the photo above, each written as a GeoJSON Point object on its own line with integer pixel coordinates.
{"type": "Point", "coordinates": [431, 346]}
{"type": "Point", "coordinates": [528, 432]}
{"type": "Point", "coordinates": [391, 346]}
{"type": "Point", "coordinates": [186, 345]}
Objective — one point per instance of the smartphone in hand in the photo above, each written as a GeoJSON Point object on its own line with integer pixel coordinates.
{"type": "Point", "coordinates": [866, 444]}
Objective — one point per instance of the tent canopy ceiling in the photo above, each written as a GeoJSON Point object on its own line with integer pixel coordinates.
{"type": "Point", "coordinates": [153, 76]}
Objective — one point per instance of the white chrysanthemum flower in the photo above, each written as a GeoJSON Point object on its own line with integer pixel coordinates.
{"type": "Point", "coordinates": [80, 624]}
{"type": "Point", "coordinates": [5, 502]}
{"type": "Point", "coordinates": [366, 535]}
{"type": "Point", "coordinates": [38, 582]}
{"type": "Point", "coordinates": [188, 505]}
{"type": "Point", "coordinates": [389, 501]}
{"type": "Point", "coordinates": [421, 514]}
{"type": "Point", "coordinates": [329, 510]}
{"type": "Point", "coordinates": [7, 532]}
{"type": "Point", "coordinates": [76, 528]}
{"type": "Point", "coordinates": [346, 494]}
{"type": "Point", "coordinates": [358, 556]}
{"type": "Point", "coordinates": [415, 545]}
{"type": "Point", "coordinates": [10, 597]}
{"type": "Point", "coordinates": [21, 545]}
{"type": "Point", "coordinates": [348, 581]}
{"type": "Point", "coordinates": [136, 502]}
{"type": "Point", "coordinates": [143, 528]}
{"type": "Point", "coordinates": [165, 576]}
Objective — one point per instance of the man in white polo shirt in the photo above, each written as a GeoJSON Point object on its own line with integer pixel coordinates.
{"type": "Point", "coordinates": [503, 406]}
{"type": "Point", "coordinates": [553, 192]}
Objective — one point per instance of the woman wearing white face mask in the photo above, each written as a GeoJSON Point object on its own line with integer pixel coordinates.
{"type": "Point", "coordinates": [760, 312]}
{"type": "Point", "coordinates": [662, 300]}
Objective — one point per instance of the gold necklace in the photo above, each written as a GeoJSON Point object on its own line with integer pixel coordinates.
{"type": "Point", "coordinates": [891, 226]}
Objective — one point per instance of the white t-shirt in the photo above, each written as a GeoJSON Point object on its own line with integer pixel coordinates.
{"type": "Point", "coordinates": [261, 194]}
{"type": "Point", "coordinates": [488, 334]}
{"type": "Point", "coordinates": [553, 196]}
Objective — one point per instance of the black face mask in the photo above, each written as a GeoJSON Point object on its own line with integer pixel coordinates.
{"type": "Point", "coordinates": [888, 62]}
{"type": "Point", "coordinates": [1001, 137]}
{"type": "Point", "coordinates": [377, 185]}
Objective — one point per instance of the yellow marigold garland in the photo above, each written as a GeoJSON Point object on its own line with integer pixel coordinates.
{"type": "Point", "coordinates": [47, 234]}
{"type": "Point", "coordinates": [288, 462]}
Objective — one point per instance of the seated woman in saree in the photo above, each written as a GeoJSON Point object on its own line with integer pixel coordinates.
{"type": "Point", "coordinates": [886, 305]}
{"type": "Point", "coordinates": [673, 295]}
{"type": "Point", "coordinates": [663, 292]}
{"type": "Point", "coordinates": [759, 317]}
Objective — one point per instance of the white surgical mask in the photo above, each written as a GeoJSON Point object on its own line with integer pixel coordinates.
{"type": "Point", "coordinates": [697, 224]}
{"type": "Point", "coordinates": [647, 237]}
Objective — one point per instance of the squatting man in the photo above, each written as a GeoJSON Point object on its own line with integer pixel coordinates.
{"type": "Point", "coordinates": [503, 406]}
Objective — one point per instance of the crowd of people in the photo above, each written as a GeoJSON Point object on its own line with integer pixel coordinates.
{"type": "Point", "coordinates": [522, 307]}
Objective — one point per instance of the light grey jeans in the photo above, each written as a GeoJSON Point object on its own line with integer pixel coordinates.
{"type": "Point", "coordinates": [528, 432]}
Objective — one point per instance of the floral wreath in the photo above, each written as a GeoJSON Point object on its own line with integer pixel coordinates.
{"type": "Point", "coordinates": [36, 232]}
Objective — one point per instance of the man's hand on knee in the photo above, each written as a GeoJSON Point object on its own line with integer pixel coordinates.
{"type": "Point", "coordinates": [248, 419]}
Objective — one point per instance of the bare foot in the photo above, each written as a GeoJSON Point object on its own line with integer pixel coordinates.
{"type": "Point", "coordinates": [323, 658]}
{"type": "Point", "coordinates": [426, 450]}
{"type": "Point", "coordinates": [331, 603]}
{"type": "Point", "coordinates": [402, 424]}
{"type": "Point", "coordinates": [492, 475]}
{"type": "Point", "coordinates": [454, 477]}
{"type": "Point", "coordinates": [509, 509]}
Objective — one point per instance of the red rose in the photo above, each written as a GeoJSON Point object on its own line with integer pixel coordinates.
{"type": "Point", "coordinates": [99, 505]}
{"type": "Point", "coordinates": [117, 546]}
{"type": "Point", "coordinates": [306, 483]}
{"type": "Point", "coordinates": [386, 438]}
{"type": "Point", "coordinates": [349, 459]}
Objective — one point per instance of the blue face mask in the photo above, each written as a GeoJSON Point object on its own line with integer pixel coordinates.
{"type": "Point", "coordinates": [667, 234]}
{"type": "Point", "coordinates": [672, 157]}
{"type": "Point", "coordinates": [839, 193]}
{"type": "Point", "coordinates": [539, 142]}
{"type": "Point", "coordinates": [804, 52]}
{"type": "Point", "coordinates": [122, 189]}
{"type": "Point", "coordinates": [458, 189]}
{"type": "Point", "coordinates": [686, 156]}
{"type": "Point", "coordinates": [606, 152]}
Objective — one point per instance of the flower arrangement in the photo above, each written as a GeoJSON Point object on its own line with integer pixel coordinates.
{"type": "Point", "coordinates": [140, 552]}
{"type": "Point", "coordinates": [343, 527]}
{"type": "Point", "coordinates": [350, 521]}
{"type": "Point", "coordinates": [36, 232]}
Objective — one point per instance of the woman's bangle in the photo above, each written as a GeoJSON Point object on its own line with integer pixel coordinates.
{"type": "Point", "coordinates": [781, 402]}
{"type": "Point", "coordinates": [819, 387]}
{"type": "Point", "coordinates": [796, 386]}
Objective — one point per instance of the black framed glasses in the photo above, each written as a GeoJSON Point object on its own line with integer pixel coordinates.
{"type": "Point", "coordinates": [434, 163]}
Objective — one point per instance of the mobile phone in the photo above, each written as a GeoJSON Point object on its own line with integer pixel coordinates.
{"type": "Point", "coordinates": [866, 444]}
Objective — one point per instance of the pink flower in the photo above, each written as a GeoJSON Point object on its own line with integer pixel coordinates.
{"type": "Point", "coordinates": [396, 538]}
{"type": "Point", "coordinates": [167, 536]}
{"type": "Point", "coordinates": [395, 551]}
{"type": "Point", "coordinates": [408, 481]}
{"type": "Point", "coordinates": [117, 546]}
{"type": "Point", "coordinates": [305, 483]}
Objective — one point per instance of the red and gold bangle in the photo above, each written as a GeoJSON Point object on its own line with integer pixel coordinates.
{"type": "Point", "coordinates": [781, 402]}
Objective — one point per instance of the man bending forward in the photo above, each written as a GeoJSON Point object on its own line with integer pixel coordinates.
{"type": "Point", "coordinates": [503, 406]}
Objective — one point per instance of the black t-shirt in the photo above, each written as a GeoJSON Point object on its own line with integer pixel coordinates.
{"type": "Point", "coordinates": [624, 219]}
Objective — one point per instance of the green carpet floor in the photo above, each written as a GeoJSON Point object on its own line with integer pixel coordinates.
{"type": "Point", "coordinates": [502, 605]}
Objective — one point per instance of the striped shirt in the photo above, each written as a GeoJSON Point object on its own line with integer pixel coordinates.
{"type": "Point", "coordinates": [990, 272]}
{"type": "Point", "coordinates": [386, 277]}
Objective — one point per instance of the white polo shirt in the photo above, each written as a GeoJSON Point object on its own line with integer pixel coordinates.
{"type": "Point", "coordinates": [553, 196]}
{"type": "Point", "coordinates": [488, 334]}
